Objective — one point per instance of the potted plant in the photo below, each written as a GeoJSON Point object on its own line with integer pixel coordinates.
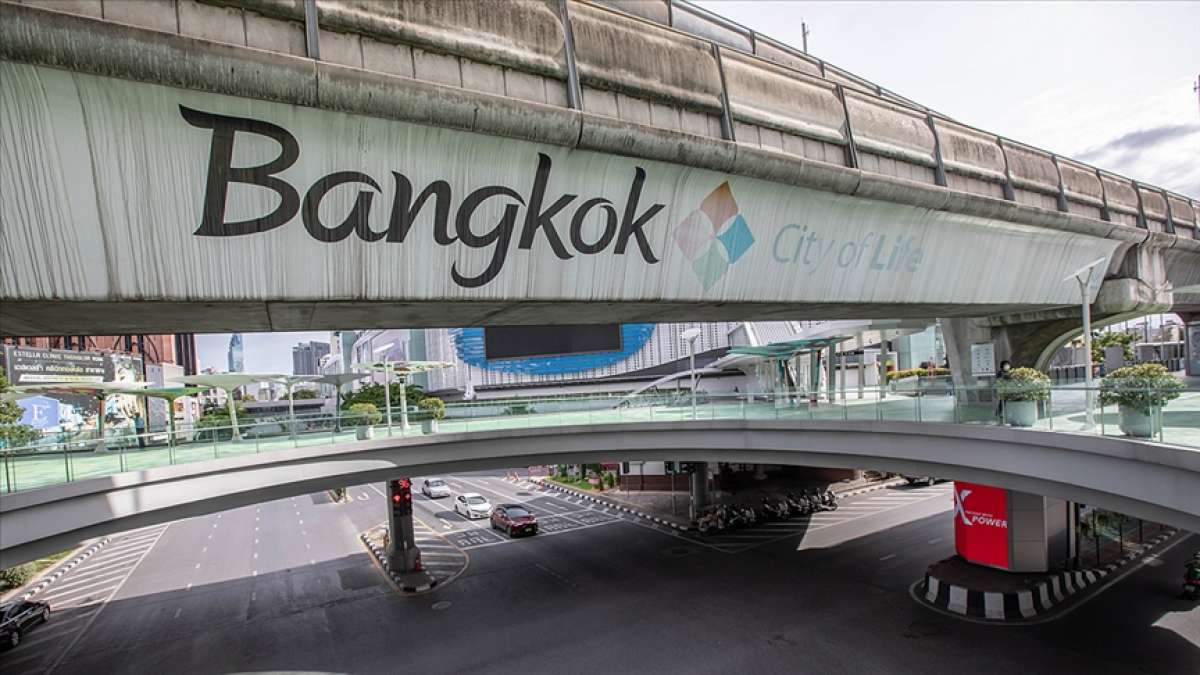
{"type": "Point", "coordinates": [364, 416]}
{"type": "Point", "coordinates": [1021, 392]}
{"type": "Point", "coordinates": [1139, 392]}
{"type": "Point", "coordinates": [432, 409]}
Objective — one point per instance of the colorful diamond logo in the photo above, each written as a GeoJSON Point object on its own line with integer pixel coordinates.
{"type": "Point", "coordinates": [714, 236]}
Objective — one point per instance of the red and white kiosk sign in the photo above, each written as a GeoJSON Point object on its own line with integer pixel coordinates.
{"type": "Point", "coordinates": [981, 524]}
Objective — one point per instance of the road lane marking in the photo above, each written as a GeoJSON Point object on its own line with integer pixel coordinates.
{"type": "Point", "coordinates": [82, 631]}
{"type": "Point", "coordinates": [887, 557]}
{"type": "Point", "coordinates": [177, 612]}
{"type": "Point", "coordinates": [57, 589]}
{"type": "Point", "coordinates": [935, 540]}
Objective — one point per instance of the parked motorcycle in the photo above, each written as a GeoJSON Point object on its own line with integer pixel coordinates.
{"type": "Point", "coordinates": [710, 522]}
{"type": "Point", "coordinates": [829, 500]}
{"type": "Point", "coordinates": [798, 504]}
{"type": "Point", "coordinates": [774, 509]}
{"type": "Point", "coordinates": [1191, 578]}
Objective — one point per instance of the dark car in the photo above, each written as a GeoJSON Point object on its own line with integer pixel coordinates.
{"type": "Point", "coordinates": [18, 617]}
{"type": "Point", "coordinates": [514, 519]}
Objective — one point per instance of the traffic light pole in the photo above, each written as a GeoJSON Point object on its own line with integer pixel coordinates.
{"type": "Point", "coordinates": [404, 558]}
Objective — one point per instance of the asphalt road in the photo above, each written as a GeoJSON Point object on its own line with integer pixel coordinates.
{"type": "Point", "coordinates": [286, 586]}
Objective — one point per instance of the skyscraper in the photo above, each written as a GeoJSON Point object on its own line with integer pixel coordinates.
{"type": "Point", "coordinates": [236, 364]}
{"type": "Point", "coordinates": [306, 357]}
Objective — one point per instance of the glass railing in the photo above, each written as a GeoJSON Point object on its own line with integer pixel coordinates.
{"type": "Point", "coordinates": [1167, 416]}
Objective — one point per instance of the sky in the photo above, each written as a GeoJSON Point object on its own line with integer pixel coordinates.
{"type": "Point", "coordinates": [1107, 83]}
{"type": "Point", "coordinates": [261, 352]}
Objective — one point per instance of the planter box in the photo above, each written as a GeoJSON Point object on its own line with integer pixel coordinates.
{"type": "Point", "coordinates": [1021, 413]}
{"type": "Point", "coordinates": [365, 433]}
{"type": "Point", "coordinates": [1137, 423]}
{"type": "Point", "coordinates": [429, 426]}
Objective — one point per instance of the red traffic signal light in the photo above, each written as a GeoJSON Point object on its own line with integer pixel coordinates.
{"type": "Point", "coordinates": [404, 484]}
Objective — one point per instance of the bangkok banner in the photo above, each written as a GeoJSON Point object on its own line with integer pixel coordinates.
{"type": "Point", "coordinates": [981, 524]}
{"type": "Point", "coordinates": [129, 191]}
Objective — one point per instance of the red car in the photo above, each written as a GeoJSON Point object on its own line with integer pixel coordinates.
{"type": "Point", "coordinates": [514, 519]}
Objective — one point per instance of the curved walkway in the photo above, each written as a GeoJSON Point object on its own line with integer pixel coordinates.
{"type": "Point", "coordinates": [1151, 481]}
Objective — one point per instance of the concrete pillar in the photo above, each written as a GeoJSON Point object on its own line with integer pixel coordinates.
{"type": "Point", "coordinates": [814, 375]}
{"type": "Point", "coordinates": [830, 375]}
{"type": "Point", "coordinates": [1191, 341]}
{"type": "Point", "coordinates": [699, 488]}
{"type": "Point", "coordinates": [862, 362]}
{"type": "Point", "coordinates": [842, 379]}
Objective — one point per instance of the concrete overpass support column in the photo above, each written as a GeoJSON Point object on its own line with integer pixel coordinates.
{"type": "Point", "coordinates": [842, 381]}
{"type": "Point", "coordinates": [699, 488]}
{"type": "Point", "coordinates": [960, 336]}
{"type": "Point", "coordinates": [814, 376]}
{"type": "Point", "coordinates": [1191, 343]}
{"type": "Point", "coordinates": [830, 375]}
{"type": "Point", "coordinates": [862, 363]}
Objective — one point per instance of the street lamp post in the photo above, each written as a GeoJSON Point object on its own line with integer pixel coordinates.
{"type": "Point", "coordinates": [690, 336]}
{"type": "Point", "coordinates": [1083, 276]}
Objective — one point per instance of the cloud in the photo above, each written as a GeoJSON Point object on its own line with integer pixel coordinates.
{"type": "Point", "coordinates": [1138, 141]}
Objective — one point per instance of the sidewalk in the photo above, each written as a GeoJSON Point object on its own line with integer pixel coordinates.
{"type": "Point", "coordinates": [996, 596]}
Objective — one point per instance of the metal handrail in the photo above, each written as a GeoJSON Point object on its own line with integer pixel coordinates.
{"type": "Point", "coordinates": [1056, 409]}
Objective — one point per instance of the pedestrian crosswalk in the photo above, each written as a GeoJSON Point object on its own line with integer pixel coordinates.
{"type": "Point", "coordinates": [869, 504]}
{"type": "Point", "coordinates": [441, 559]}
{"type": "Point", "coordinates": [77, 598]}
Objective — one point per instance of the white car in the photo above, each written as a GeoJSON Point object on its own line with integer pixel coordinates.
{"type": "Point", "coordinates": [435, 488]}
{"type": "Point", "coordinates": [472, 505]}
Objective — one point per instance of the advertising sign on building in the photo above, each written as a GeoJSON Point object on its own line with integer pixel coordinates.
{"type": "Point", "coordinates": [29, 365]}
{"type": "Point", "coordinates": [72, 412]}
{"type": "Point", "coordinates": [981, 524]}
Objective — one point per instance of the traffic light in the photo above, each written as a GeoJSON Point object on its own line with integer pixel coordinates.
{"type": "Point", "coordinates": [670, 467]}
{"type": "Point", "coordinates": [400, 495]}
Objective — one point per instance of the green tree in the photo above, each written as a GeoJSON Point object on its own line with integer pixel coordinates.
{"type": "Point", "coordinates": [216, 423]}
{"type": "Point", "coordinates": [304, 394]}
{"type": "Point", "coordinates": [13, 434]}
{"type": "Point", "coordinates": [373, 394]}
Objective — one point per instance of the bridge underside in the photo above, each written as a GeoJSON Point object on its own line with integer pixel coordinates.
{"type": "Point", "coordinates": [103, 318]}
{"type": "Point", "coordinates": [1159, 483]}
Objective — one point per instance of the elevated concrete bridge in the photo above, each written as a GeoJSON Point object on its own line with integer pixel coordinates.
{"type": "Point", "coordinates": [207, 165]}
{"type": "Point", "coordinates": [1152, 481]}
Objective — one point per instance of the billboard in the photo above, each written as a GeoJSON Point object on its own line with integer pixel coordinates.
{"type": "Point", "coordinates": [359, 208]}
{"type": "Point", "coordinates": [29, 365]}
{"type": "Point", "coordinates": [67, 412]}
{"type": "Point", "coordinates": [981, 524]}
{"type": "Point", "coordinates": [514, 342]}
